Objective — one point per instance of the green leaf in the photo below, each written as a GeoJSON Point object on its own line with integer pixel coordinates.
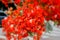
{"type": "Point", "coordinates": [48, 27]}
{"type": "Point", "coordinates": [30, 33]}
{"type": "Point", "coordinates": [55, 23]}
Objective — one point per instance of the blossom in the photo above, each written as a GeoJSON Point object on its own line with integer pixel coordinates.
{"type": "Point", "coordinates": [5, 2]}
{"type": "Point", "coordinates": [17, 1]}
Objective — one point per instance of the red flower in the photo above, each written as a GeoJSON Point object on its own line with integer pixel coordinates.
{"type": "Point", "coordinates": [44, 1]}
{"type": "Point", "coordinates": [5, 2]}
{"type": "Point", "coordinates": [17, 1]}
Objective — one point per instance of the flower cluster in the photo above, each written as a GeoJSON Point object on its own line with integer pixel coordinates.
{"type": "Point", "coordinates": [23, 21]}
{"type": "Point", "coordinates": [51, 10]}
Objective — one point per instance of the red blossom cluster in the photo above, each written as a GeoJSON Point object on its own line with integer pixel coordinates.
{"type": "Point", "coordinates": [22, 22]}
{"type": "Point", "coordinates": [52, 10]}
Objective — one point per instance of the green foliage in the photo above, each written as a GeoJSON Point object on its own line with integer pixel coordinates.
{"type": "Point", "coordinates": [55, 23]}
{"type": "Point", "coordinates": [30, 33]}
{"type": "Point", "coordinates": [48, 27]}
